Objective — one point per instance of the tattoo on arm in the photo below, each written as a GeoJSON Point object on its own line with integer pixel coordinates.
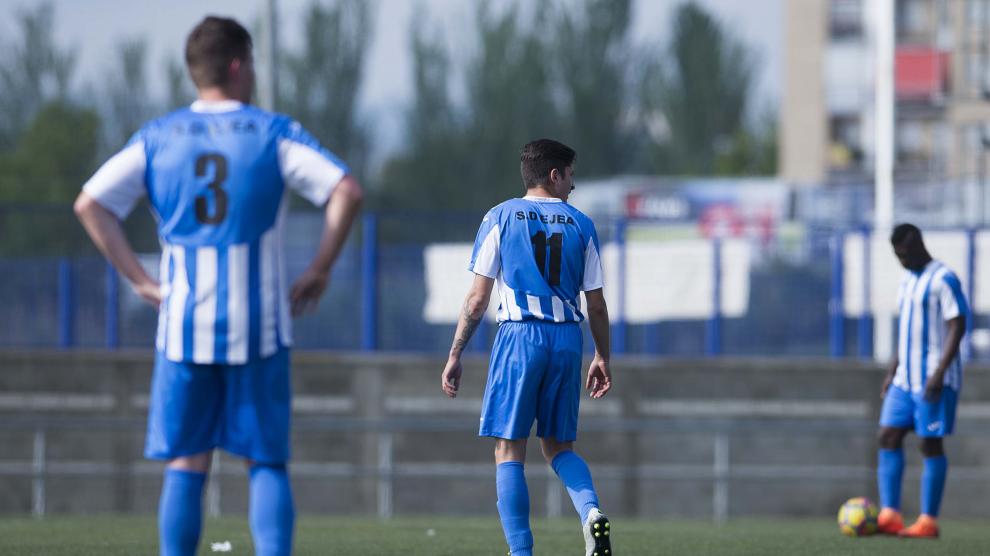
{"type": "Point", "coordinates": [465, 329]}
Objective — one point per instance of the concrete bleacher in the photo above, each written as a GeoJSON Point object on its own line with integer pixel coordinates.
{"type": "Point", "coordinates": [374, 435]}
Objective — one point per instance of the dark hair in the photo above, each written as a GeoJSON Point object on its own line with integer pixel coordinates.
{"type": "Point", "coordinates": [905, 234]}
{"type": "Point", "coordinates": [210, 48]}
{"type": "Point", "coordinates": [539, 157]}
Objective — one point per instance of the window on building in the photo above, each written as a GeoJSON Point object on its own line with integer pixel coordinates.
{"type": "Point", "coordinates": [915, 24]}
{"type": "Point", "coordinates": [844, 150]}
{"type": "Point", "coordinates": [845, 19]}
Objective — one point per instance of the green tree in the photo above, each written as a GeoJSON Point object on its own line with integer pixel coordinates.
{"type": "Point", "coordinates": [595, 34]}
{"type": "Point", "coordinates": [469, 158]}
{"type": "Point", "coordinates": [128, 99]}
{"type": "Point", "coordinates": [178, 86]}
{"type": "Point", "coordinates": [33, 71]}
{"type": "Point", "coordinates": [434, 154]}
{"type": "Point", "coordinates": [752, 151]}
{"type": "Point", "coordinates": [702, 96]}
{"type": "Point", "coordinates": [323, 79]}
{"type": "Point", "coordinates": [510, 98]}
{"type": "Point", "coordinates": [54, 156]}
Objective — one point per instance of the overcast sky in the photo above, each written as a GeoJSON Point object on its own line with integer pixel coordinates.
{"type": "Point", "coordinates": [94, 27]}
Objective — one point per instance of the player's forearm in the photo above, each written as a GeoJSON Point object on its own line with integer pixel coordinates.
{"type": "Point", "coordinates": [339, 217]}
{"type": "Point", "coordinates": [950, 350]}
{"type": "Point", "coordinates": [892, 367]}
{"type": "Point", "coordinates": [598, 322]}
{"type": "Point", "coordinates": [106, 232]}
{"type": "Point", "coordinates": [471, 315]}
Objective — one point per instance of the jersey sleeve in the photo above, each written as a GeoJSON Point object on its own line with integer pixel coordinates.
{"type": "Point", "coordinates": [594, 277]}
{"type": "Point", "coordinates": [307, 168]}
{"type": "Point", "coordinates": [486, 257]}
{"type": "Point", "coordinates": [119, 184]}
{"type": "Point", "coordinates": [950, 297]}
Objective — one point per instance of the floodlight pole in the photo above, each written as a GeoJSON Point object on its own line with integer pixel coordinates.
{"type": "Point", "coordinates": [883, 212]}
{"type": "Point", "coordinates": [268, 73]}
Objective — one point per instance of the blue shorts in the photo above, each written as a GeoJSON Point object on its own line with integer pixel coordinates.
{"type": "Point", "coordinates": [903, 410]}
{"type": "Point", "coordinates": [244, 409]}
{"type": "Point", "coordinates": [535, 374]}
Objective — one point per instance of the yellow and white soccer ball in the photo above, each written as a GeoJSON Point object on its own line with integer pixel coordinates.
{"type": "Point", "coordinates": [858, 517]}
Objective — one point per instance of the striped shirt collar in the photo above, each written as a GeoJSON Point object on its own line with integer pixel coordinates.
{"type": "Point", "coordinates": [542, 199]}
{"type": "Point", "coordinates": [216, 105]}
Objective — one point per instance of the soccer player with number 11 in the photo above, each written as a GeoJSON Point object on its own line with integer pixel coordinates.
{"type": "Point", "coordinates": [541, 253]}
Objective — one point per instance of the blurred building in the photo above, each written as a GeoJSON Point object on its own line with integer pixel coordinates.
{"type": "Point", "coordinates": [942, 87]}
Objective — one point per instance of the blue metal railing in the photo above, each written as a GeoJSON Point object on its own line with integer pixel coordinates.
{"type": "Point", "coordinates": [369, 283]}
{"type": "Point", "coordinates": [836, 328]}
{"type": "Point", "coordinates": [66, 304]}
{"type": "Point", "coordinates": [378, 287]}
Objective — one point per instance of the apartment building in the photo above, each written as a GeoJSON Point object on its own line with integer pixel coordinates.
{"type": "Point", "coordinates": [941, 83]}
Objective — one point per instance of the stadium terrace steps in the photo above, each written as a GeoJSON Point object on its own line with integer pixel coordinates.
{"type": "Point", "coordinates": [374, 435]}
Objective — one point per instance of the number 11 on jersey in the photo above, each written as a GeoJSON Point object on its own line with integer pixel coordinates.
{"type": "Point", "coordinates": [556, 245]}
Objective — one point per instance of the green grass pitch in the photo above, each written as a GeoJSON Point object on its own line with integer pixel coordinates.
{"type": "Point", "coordinates": [116, 535]}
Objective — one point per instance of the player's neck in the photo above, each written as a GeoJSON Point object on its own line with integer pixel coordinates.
{"type": "Point", "coordinates": [539, 191]}
{"type": "Point", "coordinates": [922, 264]}
{"type": "Point", "coordinates": [217, 94]}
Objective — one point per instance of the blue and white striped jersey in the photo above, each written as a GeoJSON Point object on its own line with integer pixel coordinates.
{"type": "Point", "coordinates": [542, 254]}
{"type": "Point", "coordinates": [926, 300]}
{"type": "Point", "coordinates": [216, 176]}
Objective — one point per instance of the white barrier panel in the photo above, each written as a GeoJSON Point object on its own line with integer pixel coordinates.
{"type": "Point", "coordinates": [674, 280]}
{"type": "Point", "coordinates": [668, 280]}
{"type": "Point", "coordinates": [886, 271]}
{"type": "Point", "coordinates": [981, 290]}
{"type": "Point", "coordinates": [448, 281]}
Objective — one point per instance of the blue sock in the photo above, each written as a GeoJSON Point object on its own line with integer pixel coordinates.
{"type": "Point", "coordinates": [180, 512]}
{"type": "Point", "coordinates": [932, 483]}
{"type": "Point", "coordinates": [890, 471]}
{"type": "Point", "coordinates": [576, 476]}
{"type": "Point", "coordinates": [270, 510]}
{"type": "Point", "coordinates": [513, 507]}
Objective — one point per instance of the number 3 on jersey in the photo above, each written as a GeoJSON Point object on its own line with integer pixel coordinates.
{"type": "Point", "coordinates": [556, 245]}
{"type": "Point", "coordinates": [219, 163]}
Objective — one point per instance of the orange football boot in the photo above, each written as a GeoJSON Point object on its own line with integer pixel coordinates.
{"type": "Point", "coordinates": [925, 528]}
{"type": "Point", "coordinates": [889, 522]}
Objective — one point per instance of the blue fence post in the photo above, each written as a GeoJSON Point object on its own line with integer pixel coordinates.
{"type": "Point", "coordinates": [967, 346]}
{"type": "Point", "coordinates": [369, 282]}
{"type": "Point", "coordinates": [619, 327]}
{"type": "Point", "coordinates": [864, 336]}
{"type": "Point", "coordinates": [66, 305]}
{"type": "Point", "coordinates": [713, 330]}
{"type": "Point", "coordinates": [836, 328]}
{"type": "Point", "coordinates": [112, 308]}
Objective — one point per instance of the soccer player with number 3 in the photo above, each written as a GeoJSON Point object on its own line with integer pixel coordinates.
{"type": "Point", "coordinates": [216, 176]}
{"type": "Point", "coordinates": [542, 253]}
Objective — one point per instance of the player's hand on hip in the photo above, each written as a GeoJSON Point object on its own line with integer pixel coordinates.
{"type": "Point", "coordinates": [599, 378]}
{"type": "Point", "coordinates": [450, 380]}
{"type": "Point", "coordinates": [306, 291]}
{"type": "Point", "coordinates": [933, 388]}
{"type": "Point", "coordinates": [887, 381]}
{"type": "Point", "coordinates": [151, 292]}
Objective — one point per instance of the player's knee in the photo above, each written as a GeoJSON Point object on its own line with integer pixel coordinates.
{"type": "Point", "coordinates": [509, 450]}
{"type": "Point", "coordinates": [932, 447]}
{"type": "Point", "coordinates": [551, 448]}
{"type": "Point", "coordinates": [889, 438]}
{"type": "Point", "coordinates": [199, 463]}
